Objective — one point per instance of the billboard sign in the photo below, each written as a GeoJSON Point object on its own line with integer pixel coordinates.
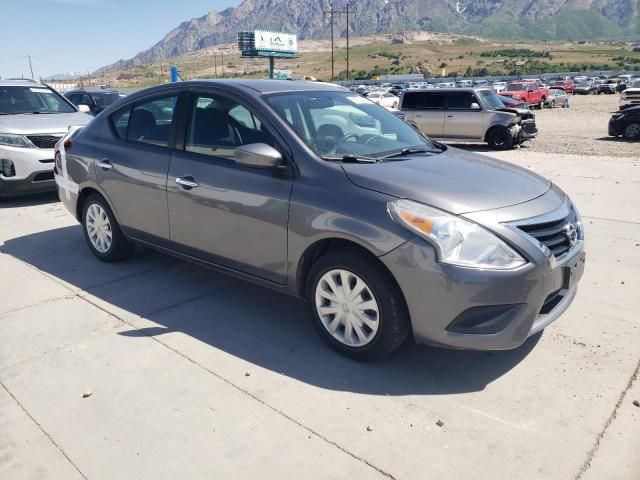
{"type": "Point", "coordinates": [275, 42]}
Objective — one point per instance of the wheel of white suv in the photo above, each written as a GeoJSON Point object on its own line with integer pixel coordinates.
{"type": "Point", "coordinates": [102, 232]}
{"type": "Point", "coordinates": [356, 306]}
{"type": "Point", "coordinates": [632, 131]}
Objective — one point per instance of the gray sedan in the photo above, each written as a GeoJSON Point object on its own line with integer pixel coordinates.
{"type": "Point", "coordinates": [316, 192]}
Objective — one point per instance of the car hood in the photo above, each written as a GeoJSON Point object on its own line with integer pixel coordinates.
{"type": "Point", "coordinates": [42, 123]}
{"type": "Point", "coordinates": [455, 181]}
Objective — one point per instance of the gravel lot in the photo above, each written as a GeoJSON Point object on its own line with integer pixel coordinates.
{"type": "Point", "coordinates": [160, 369]}
{"type": "Point", "coordinates": [581, 129]}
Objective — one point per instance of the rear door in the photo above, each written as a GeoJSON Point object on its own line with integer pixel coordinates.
{"type": "Point", "coordinates": [232, 215]}
{"type": "Point", "coordinates": [461, 121]}
{"type": "Point", "coordinates": [132, 170]}
{"type": "Point", "coordinates": [426, 110]}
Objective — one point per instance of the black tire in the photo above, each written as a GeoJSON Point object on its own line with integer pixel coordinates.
{"type": "Point", "coordinates": [632, 131]}
{"type": "Point", "coordinates": [552, 104]}
{"type": "Point", "coordinates": [394, 321]}
{"type": "Point", "coordinates": [499, 138]}
{"type": "Point", "coordinates": [120, 248]}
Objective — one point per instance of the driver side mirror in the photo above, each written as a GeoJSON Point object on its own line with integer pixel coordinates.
{"type": "Point", "coordinates": [84, 108]}
{"type": "Point", "coordinates": [258, 155]}
{"type": "Point", "coordinates": [475, 106]}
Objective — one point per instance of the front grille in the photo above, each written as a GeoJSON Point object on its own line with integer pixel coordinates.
{"type": "Point", "coordinates": [553, 235]}
{"type": "Point", "coordinates": [43, 176]}
{"type": "Point", "coordinates": [44, 141]}
{"type": "Point", "coordinates": [529, 126]}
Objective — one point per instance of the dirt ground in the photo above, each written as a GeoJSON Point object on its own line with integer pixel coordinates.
{"type": "Point", "coordinates": [581, 129]}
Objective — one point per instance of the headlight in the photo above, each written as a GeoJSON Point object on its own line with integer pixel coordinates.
{"type": "Point", "coordinates": [624, 95]}
{"type": "Point", "coordinates": [14, 140]}
{"type": "Point", "coordinates": [457, 241]}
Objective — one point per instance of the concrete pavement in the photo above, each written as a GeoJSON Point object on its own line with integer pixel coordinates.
{"type": "Point", "coordinates": [191, 374]}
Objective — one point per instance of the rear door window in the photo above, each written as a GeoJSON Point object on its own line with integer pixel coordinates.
{"type": "Point", "coordinates": [149, 121]}
{"type": "Point", "coordinates": [423, 100]}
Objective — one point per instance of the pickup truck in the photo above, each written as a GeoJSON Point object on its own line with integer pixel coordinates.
{"type": "Point", "coordinates": [529, 92]}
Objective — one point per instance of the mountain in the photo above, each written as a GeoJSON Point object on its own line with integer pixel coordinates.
{"type": "Point", "coordinates": [64, 76]}
{"type": "Point", "coordinates": [505, 19]}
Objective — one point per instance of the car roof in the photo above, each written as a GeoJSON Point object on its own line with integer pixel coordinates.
{"type": "Point", "coordinates": [257, 86]}
{"type": "Point", "coordinates": [21, 83]}
{"type": "Point", "coordinates": [92, 90]}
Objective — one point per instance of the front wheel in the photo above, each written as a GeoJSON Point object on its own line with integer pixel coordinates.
{"type": "Point", "coordinates": [102, 232]}
{"type": "Point", "coordinates": [632, 131]}
{"type": "Point", "coordinates": [552, 104]}
{"type": "Point", "coordinates": [357, 307]}
{"type": "Point", "coordinates": [500, 139]}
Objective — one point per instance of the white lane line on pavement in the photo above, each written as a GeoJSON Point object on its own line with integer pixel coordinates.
{"type": "Point", "coordinates": [59, 447]}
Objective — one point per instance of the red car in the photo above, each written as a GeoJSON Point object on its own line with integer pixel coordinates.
{"type": "Point", "coordinates": [528, 92]}
{"type": "Point", "coordinates": [566, 85]}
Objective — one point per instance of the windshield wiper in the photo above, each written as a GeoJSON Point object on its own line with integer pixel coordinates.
{"type": "Point", "coordinates": [352, 159]}
{"type": "Point", "coordinates": [408, 151]}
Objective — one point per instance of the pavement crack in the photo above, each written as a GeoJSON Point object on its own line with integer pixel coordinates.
{"type": "Point", "coordinates": [587, 462]}
{"type": "Point", "coordinates": [46, 434]}
{"type": "Point", "coordinates": [245, 391]}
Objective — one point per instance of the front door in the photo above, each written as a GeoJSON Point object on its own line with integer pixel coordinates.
{"type": "Point", "coordinates": [231, 215]}
{"type": "Point", "coordinates": [460, 120]}
{"type": "Point", "coordinates": [132, 170]}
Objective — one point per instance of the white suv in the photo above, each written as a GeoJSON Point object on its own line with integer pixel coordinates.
{"type": "Point", "coordinates": [33, 117]}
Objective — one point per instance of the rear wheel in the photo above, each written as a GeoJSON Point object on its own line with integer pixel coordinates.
{"type": "Point", "coordinates": [102, 232]}
{"type": "Point", "coordinates": [500, 139]}
{"type": "Point", "coordinates": [632, 131]}
{"type": "Point", "coordinates": [357, 307]}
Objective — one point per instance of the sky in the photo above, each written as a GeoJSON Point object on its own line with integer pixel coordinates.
{"type": "Point", "coordinates": [80, 35]}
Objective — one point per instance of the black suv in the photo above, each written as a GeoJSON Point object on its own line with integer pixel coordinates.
{"type": "Point", "coordinates": [626, 123]}
{"type": "Point", "coordinates": [96, 99]}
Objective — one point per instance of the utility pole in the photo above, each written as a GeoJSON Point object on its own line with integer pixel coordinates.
{"type": "Point", "coordinates": [332, 11]}
{"type": "Point", "coordinates": [215, 65]}
{"type": "Point", "coordinates": [30, 67]}
{"type": "Point", "coordinates": [354, 13]}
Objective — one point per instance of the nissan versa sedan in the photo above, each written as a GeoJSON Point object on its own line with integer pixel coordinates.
{"type": "Point", "coordinates": [314, 191]}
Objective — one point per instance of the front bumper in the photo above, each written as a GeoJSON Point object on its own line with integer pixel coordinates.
{"type": "Point", "coordinates": [32, 170]}
{"type": "Point", "coordinates": [37, 182]}
{"type": "Point", "coordinates": [508, 306]}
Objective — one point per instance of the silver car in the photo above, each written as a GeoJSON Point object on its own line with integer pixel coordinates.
{"type": "Point", "coordinates": [314, 191]}
{"type": "Point", "coordinates": [466, 114]}
{"type": "Point", "coordinates": [33, 117]}
{"type": "Point", "coordinates": [557, 98]}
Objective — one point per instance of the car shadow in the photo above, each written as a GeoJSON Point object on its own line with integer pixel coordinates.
{"type": "Point", "coordinates": [614, 139]}
{"type": "Point", "coordinates": [255, 324]}
{"type": "Point", "coordinates": [29, 200]}
{"type": "Point", "coordinates": [482, 147]}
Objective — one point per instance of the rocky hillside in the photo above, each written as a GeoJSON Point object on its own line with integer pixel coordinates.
{"type": "Point", "coordinates": [517, 19]}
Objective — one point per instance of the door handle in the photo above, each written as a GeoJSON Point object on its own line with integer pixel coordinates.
{"type": "Point", "coordinates": [450, 116]}
{"type": "Point", "coordinates": [187, 182]}
{"type": "Point", "coordinates": [104, 164]}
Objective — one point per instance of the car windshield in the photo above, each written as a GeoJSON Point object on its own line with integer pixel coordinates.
{"type": "Point", "coordinates": [105, 99]}
{"type": "Point", "coordinates": [490, 99]}
{"type": "Point", "coordinates": [583, 85]}
{"type": "Point", "coordinates": [340, 125]}
{"type": "Point", "coordinates": [635, 84]}
{"type": "Point", "coordinates": [515, 87]}
{"type": "Point", "coordinates": [33, 100]}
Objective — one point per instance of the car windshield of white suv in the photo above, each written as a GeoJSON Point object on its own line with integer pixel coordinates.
{"type": "Point", "coordinates": [635, 84]}
{"type": "Point", "coordinates": [16, 100]}
{"type": "Point", "coordinates": [347, 127]}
